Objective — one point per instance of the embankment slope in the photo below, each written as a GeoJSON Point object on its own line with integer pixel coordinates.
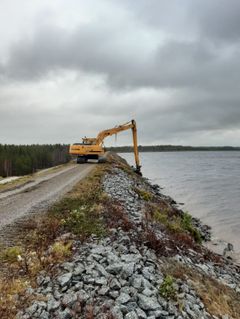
{"type": "Point", "coordinates": [115, 247]}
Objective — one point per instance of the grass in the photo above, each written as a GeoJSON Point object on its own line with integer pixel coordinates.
{"type": "Point", "coordinates": [177, 223]}
{"type": "Point", "coordinates": [218, 298]}
{"type": "Point", "coordinates": [85, 221]}
{"type": "Point", "coordinates": [167, 289]}
{"type": "Point", "coordinates": [9, 290]}
{"type": "Point", "coordinates": [143, 194]}
{"type": "Point", "coordinates": [16, 183]}
{"type": "Point", "coordinates": [11, 254]}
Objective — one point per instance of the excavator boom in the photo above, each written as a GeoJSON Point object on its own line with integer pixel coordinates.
{"type": "Point", "coordinates": [92, 148]}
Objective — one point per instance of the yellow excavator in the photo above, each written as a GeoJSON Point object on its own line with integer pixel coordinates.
{"type": "Point", "coordinates": [92, 148]}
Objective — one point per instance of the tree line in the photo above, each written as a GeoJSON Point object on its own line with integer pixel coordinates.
{"type": "Point", "coordinates": [171, 148]}
{"type": "Point", "coordinates": [16, 160]}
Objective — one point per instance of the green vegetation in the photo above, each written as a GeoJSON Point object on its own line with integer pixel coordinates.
{"type": "Point", "coordinates": [61, 250]}
{"type": "Point", "coordinates": [167, 289]}
{"type": "Point", "coordinates": [11, 255]}
{"type": "Point", "coordinates": [178, 223]}
{"type": "Point", "coordinates": [147, 196]}
{"type": "Point", "coordinates": [84, 222]}
{"type": "Point", "coordinates": [17, 160]}
{"type": "Point", "coordinates": [186, 223]}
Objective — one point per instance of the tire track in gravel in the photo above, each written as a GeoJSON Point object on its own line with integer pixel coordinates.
{"type": "Point", "coordinates": [16, 206]}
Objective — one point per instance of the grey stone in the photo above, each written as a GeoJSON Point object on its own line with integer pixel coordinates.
{"type": "Point", "coordinates": [115, 284]}
{"type": "Point", "coordinates": [68, 266]}
{"type": "Point", "coordinates": [41, 305]}
{"type": "Point", "coordinates": [44, 315]}
{"type": "Point", "coordinates": [185, 288]}
{"type": "Point", "coordinates": [112, 258]}
{"type": "Point", "coordinates": [190, 298]}
{"type": "Point", "coordinates": [40, 280]}
{"type": "Point", "coordinates": [159, 314]}
{"type": "Point", "coordinates": [132, 305]}
{"type": "Point", "coordinates": [99, 250]}
{"type": "Point", "coordinates": [128, 270]}
{"type": "Point", "coordinates": [125, 240]}
{"type": "Point", "coordinates": [131, 315]}
{"type": "Point", "coordinates": [101, 270]}
{"type": "Point", "coordinates": [65, 279]}
{"type": "Point", "coordinates": [146, 283]}
{"type": "Point", "coordinates": [69, 299]}
{"type": "Point", "coordinates": [57, 295]}
{"type": "Point", "coordinates": [82, 295]}
{"type": "Point", "coordinates": [78, 270]}
{"type": "Point", "coordinates": [101, 281]}
{"type": "Point", "coordinates": [141, 314]}
{"type": "Point", "coordinates": [114, 268]}
{"type": "Point", "coordinates": [146, 273]}
{"type": "Point", "coordinates": [123, 298]}
{"type": "Point", "coordinates": [136, 281]}
{"type": "Point", "coordinates": [126, 290]}
{"type": "Point", "coordinates": [117, 313]}
{"type": "Point", "coordinates": [52, 304]}
{"type": "Point", "coordinates": [66, 314]}
{"type": "Point", "coordinates": [203, 267]}
{"type": "Point", "coordinates": [127, 258]}
{"type": "Point", "coordinates": [172, 309]}
{"type": "Point", "coordinates": [114, 294]}
{"type": "Point", "coordinates": [147, 292]}
{"type": "Point", "coordinates": [148, 303]}
{"type": "Point", "coordinates": [103, 291]}
{"type": "Point", "coordinates": [189, 311]}
{"type": "Point", "coordinates": [123, 282]}
{"type": "Point", "coordinates": [88, 279]}
{"type": "Point", "coordinates": [32, 309]}
{"type": "Point", "coordinates": [47, 290]}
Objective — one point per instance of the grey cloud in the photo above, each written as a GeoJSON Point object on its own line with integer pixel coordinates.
{"type": "Point", "coordinates": [214, 19]}
{"type": "Point", "coordinates": [94, 50]}
{"type": "Point", "coordinates": [183, 84]}
{"type": "Point", "coordinates": [218, 19]}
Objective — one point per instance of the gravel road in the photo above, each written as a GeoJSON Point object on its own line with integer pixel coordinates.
{"type": "Point", "coordinates": [39, 194]}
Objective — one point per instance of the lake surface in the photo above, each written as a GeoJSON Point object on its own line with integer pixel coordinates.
{"type": "Point", "coordinates": [208, 183]}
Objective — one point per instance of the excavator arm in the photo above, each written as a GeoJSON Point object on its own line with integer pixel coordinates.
{"type": "Point", "coordinates": [129, 125]}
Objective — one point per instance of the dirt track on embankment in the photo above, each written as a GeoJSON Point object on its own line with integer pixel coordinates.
{"type": "Point", "coordinates": [37, 195]}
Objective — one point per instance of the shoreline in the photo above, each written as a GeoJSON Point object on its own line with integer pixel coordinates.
{"type": "Point", "coordinates": [215, 244]}
{"type": "Point", "coordinates": [115, 247]}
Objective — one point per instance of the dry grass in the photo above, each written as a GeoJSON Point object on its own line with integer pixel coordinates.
{"type": "Point", "coordinates": [11, 291]}
{"type": "Point", "coordinates": [217, 298]}
{"type": "Point", "coordinates": [16, 183]}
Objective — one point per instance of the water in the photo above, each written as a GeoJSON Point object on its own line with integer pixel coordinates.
{"type": "Point", "coordinates": [208, 183]}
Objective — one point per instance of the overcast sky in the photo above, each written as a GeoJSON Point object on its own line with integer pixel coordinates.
{"type": "Point", "coordinates": [72, 68]}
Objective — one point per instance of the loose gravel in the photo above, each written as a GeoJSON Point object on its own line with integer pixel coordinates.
{"type": "Point", "coordinates": [37, 196]}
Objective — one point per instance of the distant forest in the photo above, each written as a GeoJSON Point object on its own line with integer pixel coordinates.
{"type": "Point", "coordinates": [171, 148]}
{"type": "Point", "coordinates": [16, 160]}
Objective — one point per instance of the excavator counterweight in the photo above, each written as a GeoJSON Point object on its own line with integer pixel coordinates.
{"type": "Point", "coordinates": [92, 148]}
